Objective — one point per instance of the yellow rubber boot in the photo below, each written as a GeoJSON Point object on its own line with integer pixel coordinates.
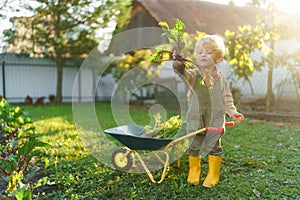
{"type": "Point", "coordinates": [195, 170]}
{"type": "Point", "coordinates": [214, 166]}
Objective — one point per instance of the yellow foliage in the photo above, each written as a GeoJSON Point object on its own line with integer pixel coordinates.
{"type": "Point", "coordinates": [233, 61]}
{"type": "Point", "coordinates": [163, 24]}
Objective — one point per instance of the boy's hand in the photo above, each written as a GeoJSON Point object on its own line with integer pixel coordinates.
{"type": "Point", "coordinates": [175, 56]}
{"type": "Point", "coordinates": [238, 117]}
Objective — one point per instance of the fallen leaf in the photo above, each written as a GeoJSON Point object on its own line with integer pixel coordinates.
{"type": "Point", "coordinates": [278, 161]}
{"type": "Point", "coordinates": [265, 163]}
{"type": "Point", "coordinates": [256, 192]}
{"type": "Point", "coordinates": [279, 144]}
{"type": "Point", "coordinates": [292, 148]}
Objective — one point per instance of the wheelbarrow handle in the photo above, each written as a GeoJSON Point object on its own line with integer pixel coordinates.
{"type": "Point", "coordinates": [231, 123]}
{"type": "Point", "coordinates": [220, 130]}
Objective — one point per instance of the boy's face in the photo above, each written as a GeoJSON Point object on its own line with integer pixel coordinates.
{"type": "Point", "coordinates": [206, 57]}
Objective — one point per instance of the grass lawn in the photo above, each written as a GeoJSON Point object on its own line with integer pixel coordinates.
{"type": "Point", "coordinates": [261, 161]}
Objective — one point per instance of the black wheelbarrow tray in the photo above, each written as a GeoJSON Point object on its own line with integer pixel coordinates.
{"type": "Point", "coordinates": [132, 137]}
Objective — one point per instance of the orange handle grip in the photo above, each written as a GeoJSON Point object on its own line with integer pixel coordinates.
{"type": "Point", "coordinates": [220, 130]}
{"type": "Point", "coordinates": [231, 123]}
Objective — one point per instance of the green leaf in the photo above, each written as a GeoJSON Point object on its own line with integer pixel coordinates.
{"type": "Point", "coordinates": [23, 194]}
{"type": "Point", "coordinates": [29, 146]}
{"type": "Point", "coordinates": [174, 37]}
{"type": "Point", "coordinates": [38, 153]}
{"type": "Point", "coordinates": [21, 133]}
{"type": "Point", "coordinates": [33, 171]}
{"type": "Point", "coordinates": [8, 165]}
{"type": "Point", "coordinates": [179, 25]}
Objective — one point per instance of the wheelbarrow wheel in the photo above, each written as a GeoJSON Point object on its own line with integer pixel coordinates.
{"type": "Point", "coordinates": [121, 161]}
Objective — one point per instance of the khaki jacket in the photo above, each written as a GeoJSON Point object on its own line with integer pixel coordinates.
{"type": "Point", "coordinates": [190, 75]}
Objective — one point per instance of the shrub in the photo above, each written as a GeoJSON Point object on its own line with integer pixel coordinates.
{"type": "Point", "coordinates": [21, 153]}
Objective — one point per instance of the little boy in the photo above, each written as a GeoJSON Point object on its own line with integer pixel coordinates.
{"type": "Point", "coordinates": [209, 99]}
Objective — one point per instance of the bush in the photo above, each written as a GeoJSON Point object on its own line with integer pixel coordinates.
{"type": "Point", "coordinates": [21, 153]}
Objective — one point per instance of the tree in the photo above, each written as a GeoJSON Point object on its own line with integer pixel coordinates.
{"type": "Point", "coordinates": [10, 6]}
{"type": "Point", "coordinates": [7, 9]}
{"type": "Point", "coordinates": [67, 29]}
{"type": "Point", "coordinates": [275, 26]}
{"type": "Point", "coordinates": [241, 45]}
{"type": "Point", "coordinates": [271, 26]}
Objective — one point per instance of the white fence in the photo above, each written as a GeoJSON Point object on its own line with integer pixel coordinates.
{"type": "Point", "coordinates": [21, 76]}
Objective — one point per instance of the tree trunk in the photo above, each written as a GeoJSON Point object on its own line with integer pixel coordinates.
{"type": "Point", "coordinates": [59, 63]}
{"type": "Point", "coordinates": [269, 98]}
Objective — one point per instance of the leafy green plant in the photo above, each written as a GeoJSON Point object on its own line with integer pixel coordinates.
{"type": "Point", "coordinates": [174, 35]}
{"type": "Point", "coordinates": [167, 129]}
{"type": "Point", "coordinates": [178, 41]}
{"type": "Point", "coordinates": [21, 153]}
{"type": "Point", "coordinates": [175, 38]}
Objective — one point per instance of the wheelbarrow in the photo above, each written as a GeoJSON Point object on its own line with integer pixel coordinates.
{"type": "Point", "coordinates": [132, 137]}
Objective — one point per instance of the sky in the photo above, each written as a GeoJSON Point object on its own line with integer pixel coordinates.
{"type": "Point", "coordinates": [289, 6]}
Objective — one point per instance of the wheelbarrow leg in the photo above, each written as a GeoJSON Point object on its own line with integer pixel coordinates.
{"type": "Point", "coordinates": [163, 162]}
{"type": "Point", "coordinates": [178, 155]}
{"type": "Point", "coordinates": [158, 158]}
{"type": "Point", "coordinates": [148, 171]}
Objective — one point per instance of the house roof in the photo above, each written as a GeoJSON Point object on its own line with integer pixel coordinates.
{"type": "Point", "coordinates": [200, 15]}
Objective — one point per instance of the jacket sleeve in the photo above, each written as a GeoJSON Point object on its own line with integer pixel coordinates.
{"type": "Point", "coordinates": [178, 67]}
{"type": "Point", "coordinates": [229, 103]}
{"type": "Point", "coordinates": [188, 75]}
